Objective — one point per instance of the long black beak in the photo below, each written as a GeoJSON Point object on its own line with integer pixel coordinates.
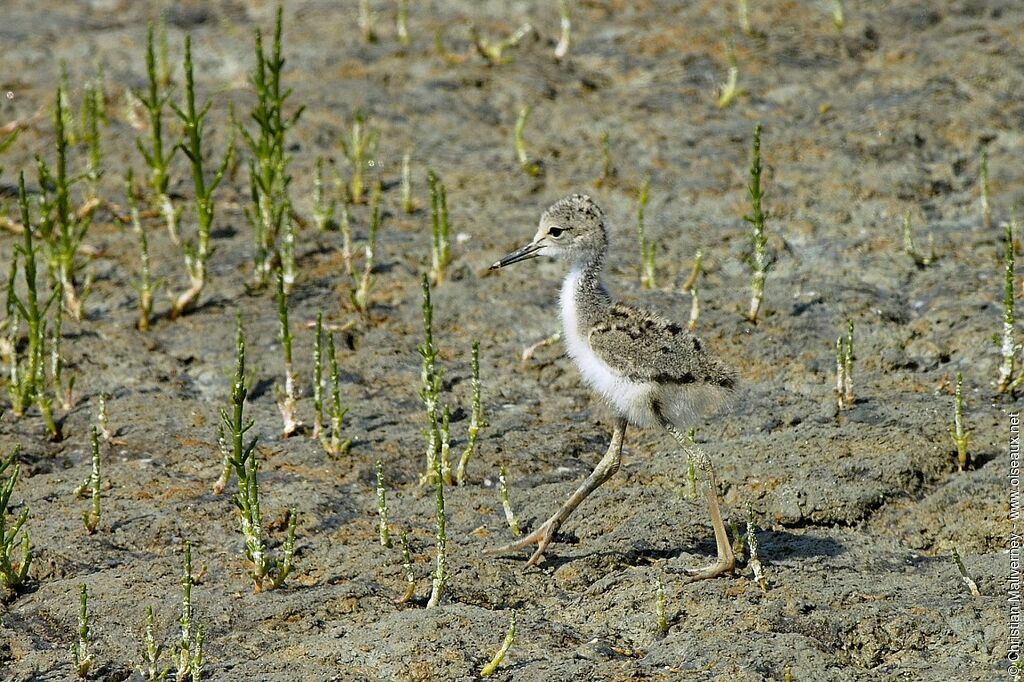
{"type": "Point", "coordinates": [526, 253]}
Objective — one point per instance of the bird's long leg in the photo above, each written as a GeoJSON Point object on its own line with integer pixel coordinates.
{"type": "Point", "coordinates": [604, 470]}
{"type": "Point", "coordinates": [726, 561]}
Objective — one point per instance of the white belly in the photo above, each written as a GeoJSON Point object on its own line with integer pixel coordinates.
{"type": "Point", "coordinates": [631, 399]}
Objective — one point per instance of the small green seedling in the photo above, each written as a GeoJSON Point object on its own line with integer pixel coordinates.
{"type": "Point", "coordinates": [986, 207]}
{"type": "Point", "coordinates": [93, 113]}
{"type": "Point", "coordinates": [695, 273]}
{"type": "Point", "coordinates": [345, 225]}
{"type": "Point", "coordinates": [225, 469]}
{"type": "Point", "coordinates": [360, 150]}
{"type": "Point", "coordinates": [960, 435]}
{"type": "Point", "coordinates": [430, 384]}
{"type": "Point", "coordinates": [91, 518]}
{"type": "Point", "coordinates": [318, 375]}
{"type": "Point", "coordinates": [323, 208]}
{"type": "Point", "coordinates": [382, 506]}
{"type": "Point", "coordinates": [440, 242]}
{"type": "Point", "coordinates": [402, 23]}
{"type": "Point", "coordinates": [506, 505]}
{"type": "Point", "coordinates": [265, 574]}
{"type": "Point", "coordinates": [151, 667]}
{"type": "Point", "coordinates": [972, 586]}
{"type": "Point", "coordinates": [744, 15]}
{"type": "Point", "coordinates": [65, 392]}
{"type": "Point", "coordinates": [446, 445]}
{"type": "Point", "coordinates": [190, 648]}
{"type": "Point", "coordinates": [156, 158]}
{"type": "Point", "coordinates": [407, 569]}
{"type": "Point", "coordinates": [288, 397]}
{"type": "Point", "coordinates": [359, 294]}
{"type": "Point", "coordinates": [659, 606]}
{"type": "Point", "coordinates": [197, 254]}
{"type": "Point", "coordinates": [476, 419]}
{"type": "Point", "coordinates": [510, 638]}
{"type": "Point", "coordinates": [440, 579]}
{"type": "Point", "coordinates": [145, 285]}
{"type": "Point", "coordinates": [529, 167]}
{"type": "Point", "coordinates": [565, 22]}
{"type": "Point", "coordinates": [1011, 374]}
{"type": "Point", "coordinates": [759, 242]}
{"type": "Point", "coordinates": [691, 325]}
{"type": "Point", "coordinates": [838, 21]}
{"type": "Point", "coordinates": [647, 249]}
{"type": "Point", "coordinates": [80, 649]}
{"type": "Point", "coordinates": [730, 89]}
{"type": "Point", "coordinates": [13, 573]}
{"type": "Point", "coordinates": [335, 445]}
{"type": "Point", "coordinates": [408, 205]}
{"type": "Point", "coordinates": [844, 368]}
{"type": "Point", "coordinates": [920, 260]}
{"type": "Point", "coordinates": [493, 52]}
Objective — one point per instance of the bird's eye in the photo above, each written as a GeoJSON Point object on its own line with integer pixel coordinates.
{"type": "Point", "coordinates": [555, 232]}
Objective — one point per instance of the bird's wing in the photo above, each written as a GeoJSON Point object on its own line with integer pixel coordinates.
{"type": "Point", "coordinates": [645, 347]}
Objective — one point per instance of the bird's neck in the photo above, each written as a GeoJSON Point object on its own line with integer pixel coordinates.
{"type": "Point", "coordinates": [583, 293]}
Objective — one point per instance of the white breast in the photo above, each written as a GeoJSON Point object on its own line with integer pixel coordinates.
{"type": "Point", "coordinates": [630, 398]}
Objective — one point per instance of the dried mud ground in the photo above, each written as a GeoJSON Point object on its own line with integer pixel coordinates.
{"type": "Point", "coordinates": [857, 510]}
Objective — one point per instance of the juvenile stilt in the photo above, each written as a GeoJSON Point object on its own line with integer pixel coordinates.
{"type": "Point", "coordinates": [651, 370]}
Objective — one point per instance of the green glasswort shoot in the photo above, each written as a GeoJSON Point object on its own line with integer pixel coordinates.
{"type": "Point", "coordinates": [647, 249]}
{"type": "Point", "coordinates": [440, 243]}
{"type": "Point", "coordinates": [986, 207]}
{"type": "Point", "coordinates": [476, 419]}
{"type": "Point", "coordinates": [323, 209]}
{"type": "Point", "coordinates": [335, 445]}
{"type": "Point", "coordinates": [960, 435]}
{"type": "Point", "coordinates": [446, 445]}
{"type": "Point", "coordinates": [844, 368]}
{"type": "Point", "coordinates": [64, 393]}
{"type": "Point", "coordinates": [287, 399]}
{"type": "Point", "coordinates": [921, 261]}
{"type": "Point", "coordinates": [972, 586]}
{"type": "Point", "coordinates": [268, 165]}
{"type": "Point", "coordinates": [189, 647]}
{"type": "Point", "coordinates": [529, 167]}
{"type": "Point", "coordinates": [430, 384]}
{"type": "Point", "coordinates": [440, 579]}
{"type": "Point", "coordinates": [659, 605]}
{"type": "Point", "coordinates": [608, 171]}
{"type": "Point", "coordinates": [382, 506]}
{"type": "Point", "coordinates": [730, 89]}
{"type": "Point", "coordinates": [494, 52]}
{"type": "Point", "coordinates": [1011, 376]}
{"type": "Point", "coordinates": [837, 15]}
{"type": "Point", "coordinates": [754, 562]}
{"type": "Point", "coordinates": [318, 375]}
{"type": "Point", "coordinates": [197, 254]}
{"type": "Point", "coordinates": [366, 22]}
{"type": "Point", "coordinates": [226, 468]}
{"type": "Point", "coordinates": [145, 285]}
{"type": "Point", "coordinates": [565, 21]}
{"type": "Point", "coordinates": [695, 273]}
{"type": "Point", "coordinates": [359, 294]}
{"type": "Point", "coordinates": [360, 150]}
{"type": "Point", "coordinates": [510, 638]}
{"type": "Point", "coordinates": [346, 236]}
{"type": "Point", "coordinates": [744, 14]}
{"type": "Point", "coordinates": [92, 106]}
{"type": "Point", "coordinates": [402, 23]}
{"type": "Point", "coordinates": [691, 325]}
{"type": "Point", "coordinates": [407, 569]}
{"type": "Point", "coordinates": [265, 574]}
{"type": "Point", "coordinates": [197, 656]}
{"type": "Point", "coordinates": [407, 202]}
{"type": "Point", "coordinates": [156, 159]}
{"type": "Point", "coordinates": [12, 573]}
{"type": "Point", "coordinates": [80, 648]}
{"type": "Point", "coordinates": [101, 417]}
{"type": "Point", "coordinates": [27, 383]}
{"type": "Point", "coordinates": [62, 228]}
{"type": "Point", "coordinates": [506, 505]}
{"type": "Point", "coordinates": [91, 518]}
{"type": "Point", "coordinates": [151, 668]}
{"type": "Point", "coordinates": [756, 219]}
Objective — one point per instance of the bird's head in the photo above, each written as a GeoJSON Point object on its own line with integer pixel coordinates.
{"type": "Point", "coordinates": [571, 229]}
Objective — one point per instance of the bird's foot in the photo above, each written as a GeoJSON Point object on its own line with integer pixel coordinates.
{"type": "Point", "coordinates": [541, 537]}
{"type": "Point", "coordinates": [720, 567]}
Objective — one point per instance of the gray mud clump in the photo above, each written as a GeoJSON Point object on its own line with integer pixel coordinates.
{"type": "Point", "coordinates": [858, 500]}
